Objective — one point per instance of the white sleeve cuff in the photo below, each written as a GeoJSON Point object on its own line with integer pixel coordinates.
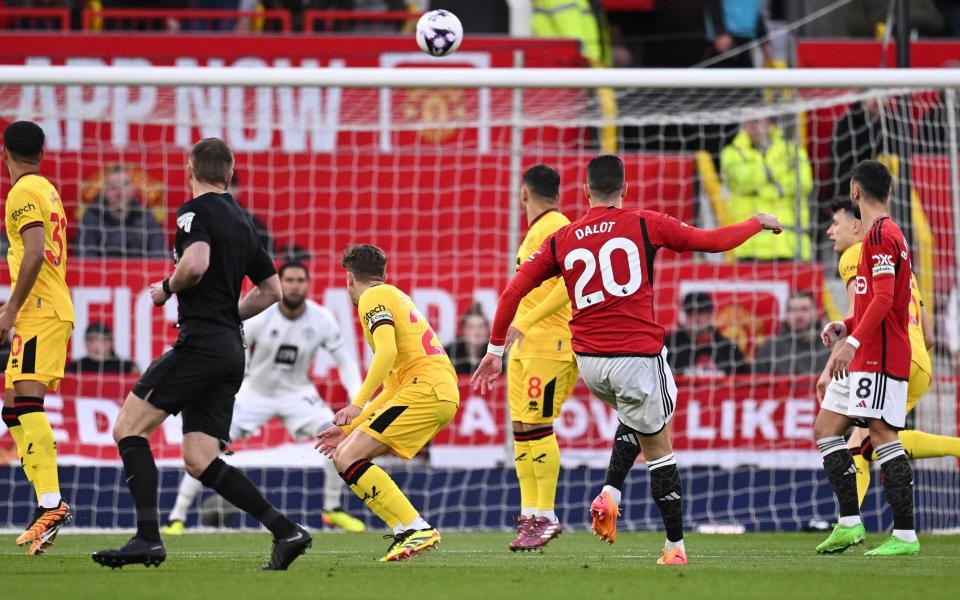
{"type": "Point", "coordinates": [495, 350]}
{"type": "Point", "coordinates": [853, 341]}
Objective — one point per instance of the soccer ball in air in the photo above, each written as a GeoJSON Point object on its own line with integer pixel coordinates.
{"type": "Point", "coordinates": [439, 32]}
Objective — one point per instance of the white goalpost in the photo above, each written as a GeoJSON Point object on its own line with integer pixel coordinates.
{"type": "Point", "coordinates": [426, 163]}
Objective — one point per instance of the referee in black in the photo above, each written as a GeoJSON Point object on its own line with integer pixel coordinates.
{"type": "Point", "coordinates": [216, 246]}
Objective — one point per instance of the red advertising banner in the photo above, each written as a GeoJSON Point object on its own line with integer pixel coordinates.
{"type": "Point", "coordinates": [723, 421]}
{"type": "Point", "coordinates": [750, 300]}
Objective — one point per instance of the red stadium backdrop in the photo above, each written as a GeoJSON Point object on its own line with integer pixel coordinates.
{"type": "Point", "coordinates": [931, 171]}
{"type": "Point", "coordinates": [725, 421]}
{"type": "Point", "coordinates": [447, 255]}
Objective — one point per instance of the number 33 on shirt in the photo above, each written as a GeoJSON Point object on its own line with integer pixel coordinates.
{"type": "Point", "coordinates": [34, 202]}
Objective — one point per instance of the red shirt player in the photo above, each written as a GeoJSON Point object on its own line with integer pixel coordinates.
{"type": "Point", "coordinates": [870, 369]}
{"type": "Point", "coordinates": [606, 260]}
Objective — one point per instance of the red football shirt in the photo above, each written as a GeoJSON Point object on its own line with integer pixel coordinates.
{"type": "Point", "coordinates": [606, 260]}
{"type": "Point", "coordinates": [884, 349]}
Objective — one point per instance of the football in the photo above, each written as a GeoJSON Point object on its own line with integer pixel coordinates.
{"type": "Point", "coordinates": [439, 32]}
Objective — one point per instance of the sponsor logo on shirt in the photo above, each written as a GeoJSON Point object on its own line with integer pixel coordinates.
{"type": "Point", "coordinates": [185, 221]}
{"type": "Point", "coordinates": [286, 355]}
{"type": "Point", "coordinates": [883, 265]}
{"type": "Point", "coordinates": [22, 211]}
{"type": "Point", "coordinates": [378, 314]}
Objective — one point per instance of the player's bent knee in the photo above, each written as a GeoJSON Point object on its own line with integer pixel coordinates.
{"type": "Point", "coordinates": [826, 425]}
{"type": "Point", "coordinates": [350, 451]}
{"type": "Point", "coordinates": [196, 461]}
{"type": "Point", "coordinates": [881, 433]}
{"type": "Point", "coordinates": [195, 465]}
{"type": "Point", "coordinates": [342, 458]}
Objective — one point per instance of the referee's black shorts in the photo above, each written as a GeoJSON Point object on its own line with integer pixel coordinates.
{"type": "Point", "coordinates": [198, 377]}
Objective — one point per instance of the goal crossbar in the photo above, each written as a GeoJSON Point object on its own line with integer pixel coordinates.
{"type": "Point", "coordinates": [425, 77]}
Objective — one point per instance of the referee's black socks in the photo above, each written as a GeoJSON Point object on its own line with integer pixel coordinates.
{"type": "Point", "coordinates": [240, 491]}
{"type": "Point", "coordinates": [141, 473]}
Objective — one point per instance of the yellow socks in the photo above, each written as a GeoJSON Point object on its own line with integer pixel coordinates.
{"type": "Point", "coordinates": [545, 456]}
{"type": "Point", "coordinates": [378, 491]}
{"type": "Point", "coordinates": [863, 476]}
{"type": "Point", "coordinates": [919, 444]}
{"type": "Point", "coordinates": [40, 449]}
{"type": "Point", "coordinates": [525, 473]}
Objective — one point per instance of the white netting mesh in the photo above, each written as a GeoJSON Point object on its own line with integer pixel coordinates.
{"type": "Point", "coordinates": [431, 176]}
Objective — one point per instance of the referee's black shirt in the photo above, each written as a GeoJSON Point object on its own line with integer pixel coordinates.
{"type": "Point", "coordinates": [235, 252]}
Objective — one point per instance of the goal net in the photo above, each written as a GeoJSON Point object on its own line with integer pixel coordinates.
{"type": "Point", "coordinates": [431, 174]}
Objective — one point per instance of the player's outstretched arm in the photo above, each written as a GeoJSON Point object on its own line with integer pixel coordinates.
{"type": "Point", "coordinates": [727, 238]}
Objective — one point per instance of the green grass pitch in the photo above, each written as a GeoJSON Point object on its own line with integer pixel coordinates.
{"type": "Point", "coordinates": [478, 565]}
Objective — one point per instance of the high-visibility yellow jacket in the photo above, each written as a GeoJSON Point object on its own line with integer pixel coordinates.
{"type": "Point", "coordinates": [573, 19]}
{"type": "Point", "coordinates": [767, 182]}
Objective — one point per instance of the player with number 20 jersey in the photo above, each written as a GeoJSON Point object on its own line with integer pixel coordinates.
{"type": "Point", "coordinates": [606, 259]}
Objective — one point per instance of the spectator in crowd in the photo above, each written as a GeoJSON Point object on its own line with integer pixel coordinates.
{"type": "Point", "coordinates": [468, 350]}
{"type": "Point", "coordinates": [697, 347]}
{"type": "Point", "coordinates": [868, 129]}
{"type": "Point", "coordinates": [100, 357]}
{"type": "Point", "coordinates": [935, 123]}
{"type": "Point", "coordinates": [731, 24]}
{"type": "Point", "coordinates": [762, 170]}
{"type": "Point", "coordinates": [797, 349]}
{"type": "Point", "coordinates": [237, 191]}
{"type": "Point", "coordinates": [117, 224]}
{"type": "Point", "coordinates": [582, 20]}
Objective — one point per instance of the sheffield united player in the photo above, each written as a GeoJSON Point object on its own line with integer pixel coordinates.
{"type": "Point", "coordinates": [870, 370]}
{"type": "Point", "coordinates": [606, 260]}
{"type": "Point", "coordinates": [541, 371]}
{"type": "Point", "coordinates": [215, 248]}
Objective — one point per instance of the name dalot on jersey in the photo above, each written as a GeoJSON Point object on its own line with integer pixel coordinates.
{"type": "Point", "coordinates": [601, 227]}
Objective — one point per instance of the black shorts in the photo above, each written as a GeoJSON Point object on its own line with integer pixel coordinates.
{"type": "Point", "coordinates": [199, 377]}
